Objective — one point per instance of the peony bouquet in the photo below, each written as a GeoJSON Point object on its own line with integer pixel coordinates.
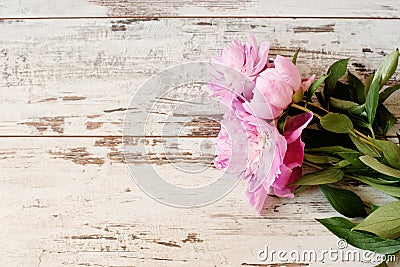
{"type": "Point", "coordinates": [275, 122]}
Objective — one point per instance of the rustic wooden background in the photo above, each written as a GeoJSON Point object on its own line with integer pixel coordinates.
{"type": "Point", "coordinates": [68, 71]}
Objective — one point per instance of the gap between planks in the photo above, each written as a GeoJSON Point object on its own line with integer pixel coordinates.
{"type": "Point", "coordinates": [120, 136]}
{"type": "Point", "coordinates": [201, 17]}
{"type": "Point", "coordinates": [107, 136]}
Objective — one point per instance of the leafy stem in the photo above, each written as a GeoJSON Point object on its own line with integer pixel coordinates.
{"type": "Point", "coordinates": [355, 132]}
{"type": "Point", "coordinates": [327, 111]}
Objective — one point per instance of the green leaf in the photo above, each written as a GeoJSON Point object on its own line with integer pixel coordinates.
{"type": "Point", "coordinates": [341, 227]}
{"type": "Point", "coordinates": [357, 110]}
{"type": "Point", "coordinates": [372, 100]}
{"type": "Point", "coordinates": [393, 191]}
{"type": "Point", "coordinates": [387, 68]}
{"type": "Point", "coordinates": [315, 85]}
{"type": "Point", "coordinates": [337, 123]}
{"type": "Point", "coordinates": [384, 222]}
{"type": "Point", "coordinates": [360, 123]}
{"type": "Point", "coordinates": [343, 104]}
{"type": "Point", "coordinates": [357, 87]}
{"type": "Point", "coordinates": [385, 71]}
{"type": "Point", "coordinates": [387, 92]}
{"type": "Point", "coordinates": [321, 159]}
{"type": "Point", "coordinates": [296, 54]}
{"type": "Point", "coordinates": [379, 167]}
{"type": "Point", "coordinates": [368, 83]}
{"type": "Point", "coordinates": [364, 147]}
{"type": "Point", "coordinates": [386, 120]}
{"type": "Point", "coordinates": [337, 70]}
{"type": "Point", "coordinates": [390, 151]}
{"type": "Point", "coordinates": [351, 157]}
{"type": "Point", "coordinates": [325, 176]}
{"type": "Point", "coordinates": [342, 163]}
{"type": "Point", "coordinates": [344, 201]}
{"type": "Point", "coordinates": [377, 180]}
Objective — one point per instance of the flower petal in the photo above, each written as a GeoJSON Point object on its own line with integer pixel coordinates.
{"type": "Point", "coordinates": [295, 125]}
{"type": "Point", "coordinates": [295, 154]}
{"type": "Point", "coordinates": [257, 198]}
{"type": "Point", "coordinates": [288, 176]}
{"type": "Point", "coordinates": [289, 72]}
{"type": "Point", "coordinates": [306, 83]}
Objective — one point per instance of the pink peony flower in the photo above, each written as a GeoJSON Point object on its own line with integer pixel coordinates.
{"type": "Point", "coordinates": [241, 68]}
{"type": "Point", "coordinates": [256, 92]}
{"type": "Point", "coordinates": [235, 70]}
{"type": "Point", "coordinates": [245, 145]}
{"type": "Point", "coordinates": [277, 86]}
{"type": "Point", "coordinates": [287, 166]}
{"type": "Point", "coordinates": [254, 150]}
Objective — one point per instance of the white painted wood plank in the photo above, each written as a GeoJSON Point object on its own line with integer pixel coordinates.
{"type": "Point", "coordinates": [64, 207]}
{"type": "Point", "coordinates": [152, 8]}
{"type": "Point", "coordinates": [77, 77]}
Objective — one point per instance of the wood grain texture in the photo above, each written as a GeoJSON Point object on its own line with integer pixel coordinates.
{"type": "Point", "coordinates": [65, 202]}
{"type": "Point", "coordinates": [178, 8]}
{"type": "Point", "coordinates": [77, 77]}
{"type": "Point", "coordinates": [68, 71]}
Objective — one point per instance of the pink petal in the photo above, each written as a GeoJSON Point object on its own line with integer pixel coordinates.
{"type": "Point", "coordinates": [281, 144]}
{"type": "Point", "coordinates": [306, 83]}
{"type": "Point", "coordinates": [289, 72]}
{"type": "Point", "coordinates": [295, 154]}
{"type": "Point", "coordinates": [266, 171]}
{"type": "Point", "coordinates": [251, 52]}
{"type": "Point", "coordinates": [262, 57]}
{"type": "Point", "coordinates": [257, 198]}
{"type": "Point", "coordinates": [272, 91]}
{"type": "Point", "coordinates": [281, 189]}
{"type": "Point", "coordinates": [259, 108]}
{"type": "Point", "coordinates": [281, 181]}
{"type": "Point", "coordinates": [295, 125]}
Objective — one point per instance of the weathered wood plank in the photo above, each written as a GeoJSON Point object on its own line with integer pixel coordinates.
{"type": "Point", "coordinates": [148, 8]}
{"type": "Point", "coordinates": [77, 77]}
{"type": "Point", "coordinates": [84, 209]}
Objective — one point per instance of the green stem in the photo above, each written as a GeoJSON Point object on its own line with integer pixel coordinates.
{"type": "Point", "coordinates": [361, 134]}
{"type": "Point", "coordinates": [371, 130]}
{"type": "Point", "coordinates": [305, 109]}
{"type": "Point", "coordinates": [327, 111]}
{"type": "Point", "coordinates": [315, 106]}
{"type": "Point", "coordinates": [312, 165]}
{"type": "Point", "coordinates": [364, 139]}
